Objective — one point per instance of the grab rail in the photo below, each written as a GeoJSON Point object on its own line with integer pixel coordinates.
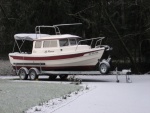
{"type": "Point", "coordinates": [99, 39]}
{"type": "Point", "coordinates": [55, 27]}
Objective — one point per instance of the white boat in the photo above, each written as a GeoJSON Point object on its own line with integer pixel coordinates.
{"type": "Point", "coordinates": [59, 52]}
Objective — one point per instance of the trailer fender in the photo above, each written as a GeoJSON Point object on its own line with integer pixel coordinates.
{"type": "Point", "coordinates": [105, 62]}
{"type": "Point", "coordinates": [36, 70]}
{"type": "Point", "coordinates": [104, 66]}
{"type": "Point", "coordinates": [24, 68]}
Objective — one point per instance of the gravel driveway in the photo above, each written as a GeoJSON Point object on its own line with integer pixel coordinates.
{"type": "Point", "coordinates": [18, 96]}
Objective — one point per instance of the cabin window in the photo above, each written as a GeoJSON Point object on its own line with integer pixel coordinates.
{"type": "Point", "coordinates": [38, 44]}
{"type": "Point", "coordinates": [46, 44]}
{"type": "Point", "coordinates": [63, 42]}
{"type": "Point", "coordinates": [53, 43]}
{"type": "Point", "coordinates": [72, 41]}
{"type": "Point", "coordinates": [50, 43]}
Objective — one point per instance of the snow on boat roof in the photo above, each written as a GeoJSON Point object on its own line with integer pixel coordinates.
{"type": "Point", "coordinates": [32, 37]}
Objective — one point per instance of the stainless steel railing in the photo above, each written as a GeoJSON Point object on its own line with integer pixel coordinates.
{"type": "Point", "coordinates": [98, 40]}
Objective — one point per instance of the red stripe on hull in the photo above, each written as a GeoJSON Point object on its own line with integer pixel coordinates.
{"type": "Point", "coordinates": [51, 57]}
{"type": "Point", "coordinates": [47, 58]}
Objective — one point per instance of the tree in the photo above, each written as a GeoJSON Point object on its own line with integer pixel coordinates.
{"type": "Point", "coordinates": [131, 21]}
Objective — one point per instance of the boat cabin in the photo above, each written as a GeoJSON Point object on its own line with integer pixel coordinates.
{"type": "Point", "coordinates": [57, 43]}
{"type": "Point", "coordinates": [46, 43]}
{"type": "Point", "coordinates": [52, 43]}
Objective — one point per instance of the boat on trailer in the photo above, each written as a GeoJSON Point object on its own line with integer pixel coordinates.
{"type": "Point", "coordinates": [61, 54]}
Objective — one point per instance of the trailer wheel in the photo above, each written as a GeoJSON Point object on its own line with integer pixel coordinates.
{"type": "Point", "coordinates": [63, 77]}
{"type": "Point", "coordinates": [23, 74]}
{"type": "Point", "coordinates": [32, 74]}
{"type": "Point", "coordinates": [52, 77]}
{"type": "Point", "coordinates": [103, 68]}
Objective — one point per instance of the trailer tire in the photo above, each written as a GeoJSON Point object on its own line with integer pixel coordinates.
{"type": "Point", "coordinates": [23, 74]}
{"type": "Point", "coordinates": [103, 68]}
{"type": "Point", "coordinates": [52, 77]}
{"type": "Point", "coordinates": [32, 74]}
{"type": "Point", "coordinates": [63, 77]}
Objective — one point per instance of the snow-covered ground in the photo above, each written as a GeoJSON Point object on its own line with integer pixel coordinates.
{"type": "Point", "coordinates": [5, 67]}
{"type": "Point", "coordinates": [102, 94]}
{"type": "Point", "coordinates": [16, 96]}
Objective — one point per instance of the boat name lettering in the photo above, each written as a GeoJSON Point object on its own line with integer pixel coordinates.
{"type": "Point", "coordinates": [48, 51]}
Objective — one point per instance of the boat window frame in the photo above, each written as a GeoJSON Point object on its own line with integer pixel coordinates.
{"type": "Point", "coordinates": [53, 42]}
{"type": "Point", "coordinates": [64, 43]}
{"type": "Point", "coordinates": [45, 41]}
{"type": "Point", "coordinates": [39, 46]}
{"type": "Point", "coordinates": [74, 40]}
{"type": "Point", "coordinates": [50, 41]}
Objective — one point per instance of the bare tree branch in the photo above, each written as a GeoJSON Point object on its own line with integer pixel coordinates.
{"type": "Point", "coordinates": [120, 38]}
{"type": "Point", "coordinates": [3, 11]}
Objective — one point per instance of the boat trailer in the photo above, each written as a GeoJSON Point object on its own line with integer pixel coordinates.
{"type": "Point", "coordinates": [34, 73]}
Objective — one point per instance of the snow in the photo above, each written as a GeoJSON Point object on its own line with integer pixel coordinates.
{"type": "Point", "coordinates": [29, 36]}
{"type": "Point", "coordinates": [103, 96]}
{"type": "Point", "coordinates": [16, 96]}
{"type": "Point", "coordinates": [32, 36]}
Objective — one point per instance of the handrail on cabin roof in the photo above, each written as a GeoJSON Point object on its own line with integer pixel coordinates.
{"type": "Point", "coordinates": [56, 27]}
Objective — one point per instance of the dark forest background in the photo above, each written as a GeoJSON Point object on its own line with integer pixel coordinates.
{"type": "Point", "coordinates": [124, 23]}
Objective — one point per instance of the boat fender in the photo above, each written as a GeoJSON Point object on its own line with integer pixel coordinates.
{"type": "Point", "coordinates": [36, 70]}
{"type": "Point", "coordinates": [26, 70]}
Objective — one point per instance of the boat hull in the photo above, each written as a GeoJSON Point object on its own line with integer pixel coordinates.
{"type": "Point", "coordinates": [77, 61]}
